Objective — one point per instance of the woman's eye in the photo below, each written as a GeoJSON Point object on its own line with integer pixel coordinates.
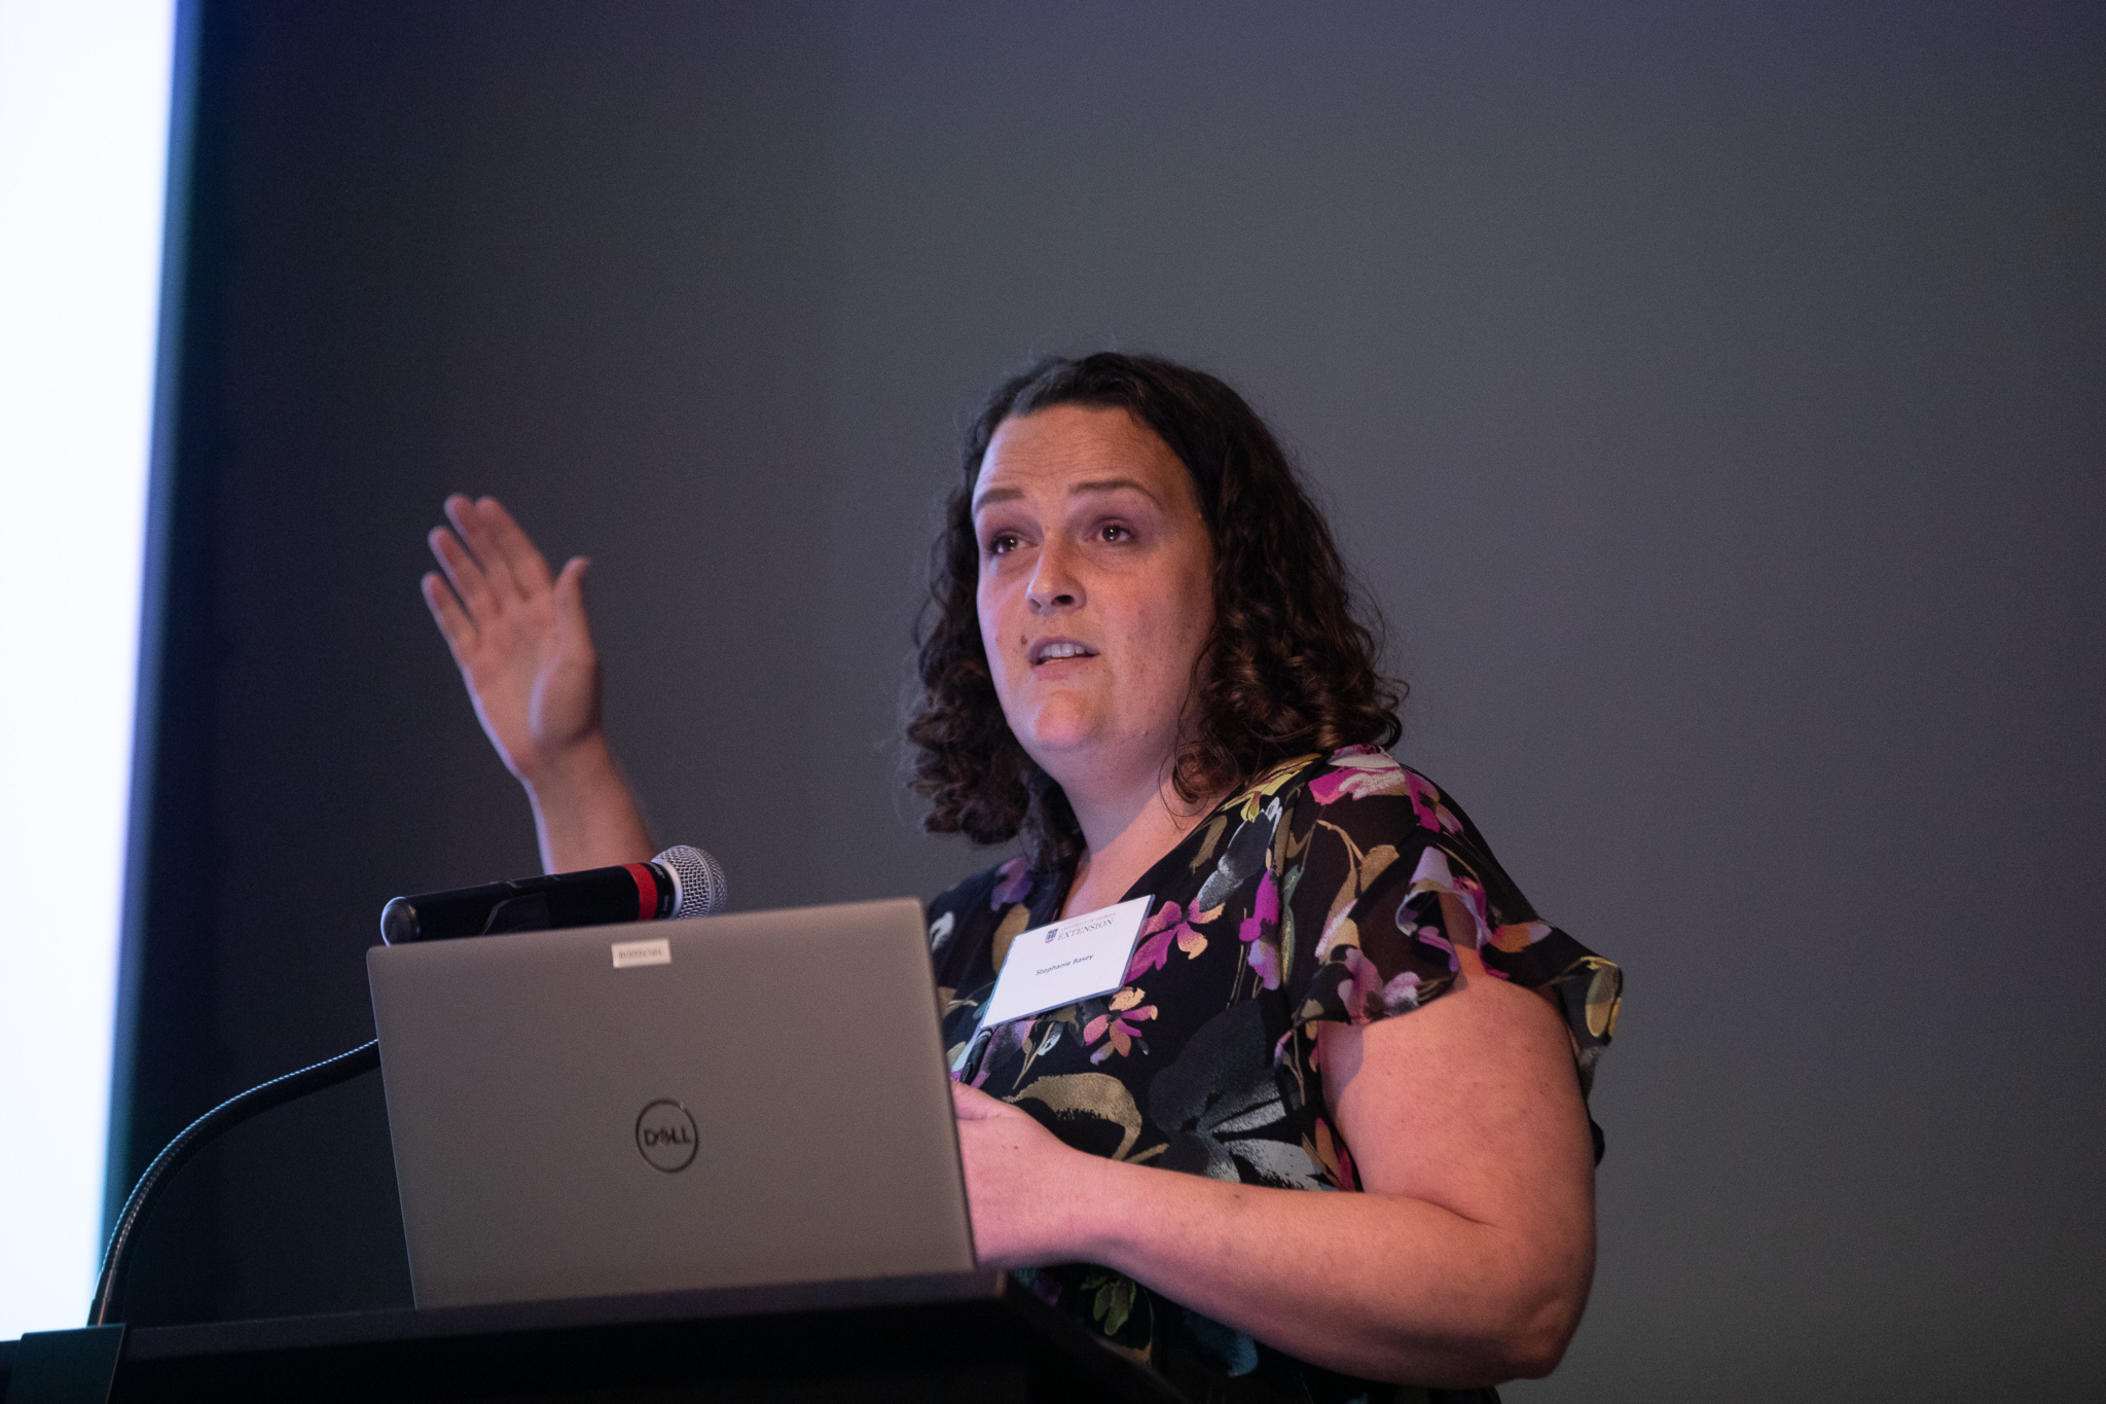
{"type": "Point", "coordinates": [1113, 532]}
{"type": "Point", "coordinates": [1001, 543]}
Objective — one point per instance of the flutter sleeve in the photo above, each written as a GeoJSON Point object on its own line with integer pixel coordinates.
{"type": "Point", "coordinates": [1365, 858]}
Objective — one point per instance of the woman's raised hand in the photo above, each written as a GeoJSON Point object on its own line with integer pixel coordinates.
{"type": "Point", "coordinates": [519, 635]}
{"type": "Point", "coordinates": [525, 651]}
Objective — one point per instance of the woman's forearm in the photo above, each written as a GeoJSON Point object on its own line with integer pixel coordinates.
{"type": "Point", "coordinates": [1378, 1285]}
{"type": "Point", "coordinates": [1464, 1259]}
{"type": "Point", "coordinates": [585, 815]}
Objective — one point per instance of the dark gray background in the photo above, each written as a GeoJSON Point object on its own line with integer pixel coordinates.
{"type": "Point", "coordinates": [1710, 397]}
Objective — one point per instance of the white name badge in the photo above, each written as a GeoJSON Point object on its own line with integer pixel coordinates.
{"type": "Point", "coordinates": [1050, 966]}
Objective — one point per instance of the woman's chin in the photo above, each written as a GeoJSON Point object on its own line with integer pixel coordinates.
{"type": "Point", "coordinates": [1061, 743]}
{"type": "Point", "coordinates": [1057, 751]}
{"type": "Point", "coordinates": [1090, 762]}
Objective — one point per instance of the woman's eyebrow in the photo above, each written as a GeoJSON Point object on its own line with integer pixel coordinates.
{"type": "Point", "coordinates": [1094, 485]}
{"type": "Point", "coordinates": [1101, 485]}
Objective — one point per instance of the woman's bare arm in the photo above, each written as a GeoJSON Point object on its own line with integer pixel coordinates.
{"type": "Point", "coordinates": [1466, 1260]}
{"type": "Point", "coordinates": [525, 651]}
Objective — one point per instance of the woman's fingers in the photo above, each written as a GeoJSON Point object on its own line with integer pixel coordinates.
{"type": "Point", "coordinates": [491, 563]}
{"type": "Point", "coordinates": [508, 557]}
{"type": "Point", "coordinates": [573, 627]}
{"type": "Point", "coordinates": [971, 1104]}
{"type": "Point", "coordinates": [522, 558]}
{"type": "Point", "coordinates": [476, 533]}
{"type": "Point", "coordinates": [463, 572]}
{"type": "Point", "coordinates": [569, 588]}
{"type": "Point", "coordinates": [454, 624]}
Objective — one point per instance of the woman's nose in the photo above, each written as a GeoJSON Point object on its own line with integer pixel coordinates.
{"type": "Point", "coordinates": [1053, 582]}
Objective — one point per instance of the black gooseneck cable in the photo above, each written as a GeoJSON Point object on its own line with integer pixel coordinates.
{"type": "Point", "coordinates": [109, 1286]}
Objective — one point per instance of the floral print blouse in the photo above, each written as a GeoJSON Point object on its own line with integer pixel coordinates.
{"type": "Point", "coordinates": [1312, 895]}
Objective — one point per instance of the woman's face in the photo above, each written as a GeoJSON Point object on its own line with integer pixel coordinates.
{"type": "Point", "coordinates": [1096, 592]}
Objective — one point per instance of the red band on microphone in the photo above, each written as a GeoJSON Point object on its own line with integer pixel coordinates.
{"type": "Point", "coordinates": [646, 890]}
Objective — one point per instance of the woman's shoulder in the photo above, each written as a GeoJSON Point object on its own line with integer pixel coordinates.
{"type": "Point", "coordinates": [1372, 812]}
{"type": "Point", "coordinates": [1356, 828]}
{"type": "Point", "coordinates": [1380, 846]}
{"type": "Point", "coordinates": [1352, 784]}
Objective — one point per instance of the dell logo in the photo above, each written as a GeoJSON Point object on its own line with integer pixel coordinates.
{"type": "Point", "coordinates": [665, 1134]}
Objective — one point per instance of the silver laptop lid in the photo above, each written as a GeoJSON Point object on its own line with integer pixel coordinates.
{"type": "Point", "coordinates": [728, 1101]}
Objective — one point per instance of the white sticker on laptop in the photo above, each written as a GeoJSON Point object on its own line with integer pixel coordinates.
{"type": "Point", "coordinates": [628, 953]}
{"type": "Point", "coordinates": [1055, 965]}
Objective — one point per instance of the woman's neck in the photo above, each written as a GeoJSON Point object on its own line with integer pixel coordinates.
{"type": "Point", "coordinates": [1123, 841]}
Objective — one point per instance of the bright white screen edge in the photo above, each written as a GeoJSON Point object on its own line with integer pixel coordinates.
{"type": "Point", "coordinates": [84, 93]}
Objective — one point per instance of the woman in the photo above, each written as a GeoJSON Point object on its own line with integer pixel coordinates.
{"type": "Point", "coordinates": [1143, 662]}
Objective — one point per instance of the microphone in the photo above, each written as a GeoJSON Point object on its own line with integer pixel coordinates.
{"type": "Point", "coordinates": [680, 882]}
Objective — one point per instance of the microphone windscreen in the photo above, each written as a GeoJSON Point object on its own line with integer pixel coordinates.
{"type": "Point", "coordinates": [698, 881]}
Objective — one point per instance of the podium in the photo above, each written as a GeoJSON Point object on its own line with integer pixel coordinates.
{"type": "Point", "coordinates": [962, 1337]}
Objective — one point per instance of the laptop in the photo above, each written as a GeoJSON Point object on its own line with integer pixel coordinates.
{"type": "Point", "coordinates": [728, 1101]}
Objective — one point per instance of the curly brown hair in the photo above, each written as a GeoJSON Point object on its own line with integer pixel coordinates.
{"type": "Point", "coordinates": [1289, 668]}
